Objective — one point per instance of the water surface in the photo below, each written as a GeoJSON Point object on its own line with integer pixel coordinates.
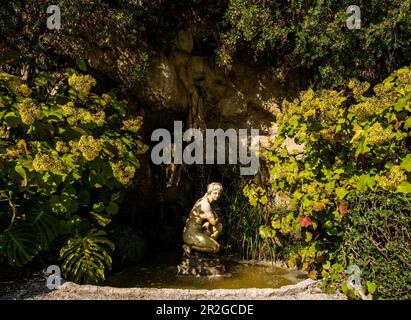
{"type": "Point", "coordinates": [240, 275]}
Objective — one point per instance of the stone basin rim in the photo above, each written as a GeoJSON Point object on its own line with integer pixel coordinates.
{"type": "Point", "coordinates": [287, 289]}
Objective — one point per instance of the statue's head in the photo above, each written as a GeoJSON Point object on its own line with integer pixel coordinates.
{"type": "Point", "coordinates": [214, 190]}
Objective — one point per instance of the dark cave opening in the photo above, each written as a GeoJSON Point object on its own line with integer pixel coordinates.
{"type": "Point", "coordinates": [160, 218]}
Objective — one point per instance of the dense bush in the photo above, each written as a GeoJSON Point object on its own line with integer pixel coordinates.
{"type": "Point", "coordinates": [377, 239]}
{"type": "Point", "coordinates": [130, 246]}
{"type": "Point", "coordinates": [66, 155]}
{"type": "Point", "coordinates": [354, 140]}
{"type": "Point", "coordinates": [311, 36]}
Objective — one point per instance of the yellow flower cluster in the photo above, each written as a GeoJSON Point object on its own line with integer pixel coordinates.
{"type": "Point", "coordinates": [75, 115]}
{"type": "Point", "coordinates": [68, 109]}
{"type": "Point", "coordinates": [383, 90]}
{"type": "Point", "coordinates": [74, 148]}
{"type": "Point", "coordinates": [44, 162]}
{"type": "Point", "coordinates": [376, 134]}
{"type": "Point", "coordinates": [62, 147]}
{"type": "Point", "coordinates": [106, 98]}
{"type": "Point", "coordinates": [98, 118]}
{"type": "Point", "coordinates": [29, 112]}
{"type": "Point", "coordinates": [404, 75]}
{"type": "Point", "coordinates": [82, 84]}
{"type": "Point", "coordinates": [123, 172]}
{"type": "Point", "coordinates": [297, 107]}
{"type": "Point", "coordinates": [89, 147]}
{"type": "Point", "coordinates": [370, 107]}
{"type": "Point", "coordinates": [286, 171]}
{"type": "Point", "coordinates": [3, 133]}
{"type": "Point", "coordinates": [311, 188]}
{"type": "Point", "coordinates": [15, 85]}
{"type": "Point", "coordinates": [19, 88]}
{"type": "Point", "coordinates": [120, 146]}
{"type": "Point", "coordinates": [5, 76]}
{"type": "Point", "coordinates": [133, 125]}
{"type": "Point", "coordinates": [358, 88]}
{"type": "Point", "coordinates": [86, 116]}
{"type": "Point", "coordinates": [386, 95]}
{"type": "Point", "coordinates": [329, 105]}
{"type": "Point", "coordinates": [391, 179]}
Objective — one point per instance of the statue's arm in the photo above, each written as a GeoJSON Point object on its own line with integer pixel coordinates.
{"type": "Point", "coordinates": [208, 214]}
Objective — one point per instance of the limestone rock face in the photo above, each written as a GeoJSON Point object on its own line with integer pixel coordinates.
{"type": "Point", "coordinates": [184, 41]}
{"type": "Point", "coordinates": [292, 147]}
{"type": "Point", "coordinates": [180, 84]}
{"type": "Point", "coordinates": [233, 105]}
{"type": "Point", "coordinates": [247, 96]}
{"type": "Point", "coordinates": [162, 87]}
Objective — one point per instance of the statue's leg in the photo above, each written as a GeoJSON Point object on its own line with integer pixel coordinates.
{"type": "Point", "coordinates": [204, 243]}
{"type": "Point", "coordinates": [206, 250]}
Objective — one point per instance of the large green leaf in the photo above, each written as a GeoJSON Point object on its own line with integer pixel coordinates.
{"type": "Point", "coordinates": [406, 163]}
{"type": "Point", "coordinates": [20, 170]}
{"type": "Point", "coordinates": [265, 232]}
{"type": "Point", "coordinates": [341, 192]}
{"type": "Point", "coordinates": [365, 182]}
{"type": "Point", "coordinates": [46, 227]}
{"type": "Point", "coordinates": [86, 258]}
{"type": "Point", "coordinates": [404, 187]}
{"type": "Point", "coordinates": [21, 244]}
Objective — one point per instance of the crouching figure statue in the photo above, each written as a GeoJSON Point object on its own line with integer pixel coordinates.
{"type": "Point", "coordinates": [203, 226]}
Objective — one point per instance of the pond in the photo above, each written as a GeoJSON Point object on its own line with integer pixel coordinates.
{"type": "Point", "coordinates": [240, 274]}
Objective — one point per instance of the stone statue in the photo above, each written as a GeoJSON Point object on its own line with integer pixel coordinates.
{"type": "Point", "coordinates": [203, 226]}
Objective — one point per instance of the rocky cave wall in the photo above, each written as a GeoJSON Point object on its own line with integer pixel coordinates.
{"type": "Point", "coordinates": [182, 85]}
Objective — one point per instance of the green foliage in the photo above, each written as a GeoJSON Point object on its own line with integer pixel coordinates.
{"type": "Point", "coordinates": [310, 36]}
{"type": "Point", "coordinates": [242, 222]}
{"type": "Point", "coordinates": [130, 246]}
{"type": "Point", "coordinates": [85, 258]}
{"type": "Point", "coordinates": [313, 35]}
{"type": "Point", "coordinates": [354, 140]}
{"type": "Point", "coordinates": [66, 156]}
{"type": "Point", "coordinates": [19, 245]}
{"type": "Point", "coordinates": [26, 236]}
{"type": "Point", "coordinates": [377, 239]}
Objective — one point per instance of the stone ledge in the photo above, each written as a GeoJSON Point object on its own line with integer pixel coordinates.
{"type": "Point", "coordinates": [304, 290]}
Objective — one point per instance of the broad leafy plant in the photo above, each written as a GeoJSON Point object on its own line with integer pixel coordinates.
{"type": "Point", "coordinates": [86, 257]}
{"type": "Point", "coordinates": [354, 140]}
{"type": "Point", "coordinates": [66, 156]}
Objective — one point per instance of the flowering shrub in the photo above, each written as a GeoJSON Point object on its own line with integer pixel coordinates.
{"type": "Point", "coordinates": [65, 156]}
{"type": "Point", "coordinates": [354, 140]}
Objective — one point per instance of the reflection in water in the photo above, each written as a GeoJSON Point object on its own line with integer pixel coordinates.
{"type": "Point", "coordinates": [241, 275]}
